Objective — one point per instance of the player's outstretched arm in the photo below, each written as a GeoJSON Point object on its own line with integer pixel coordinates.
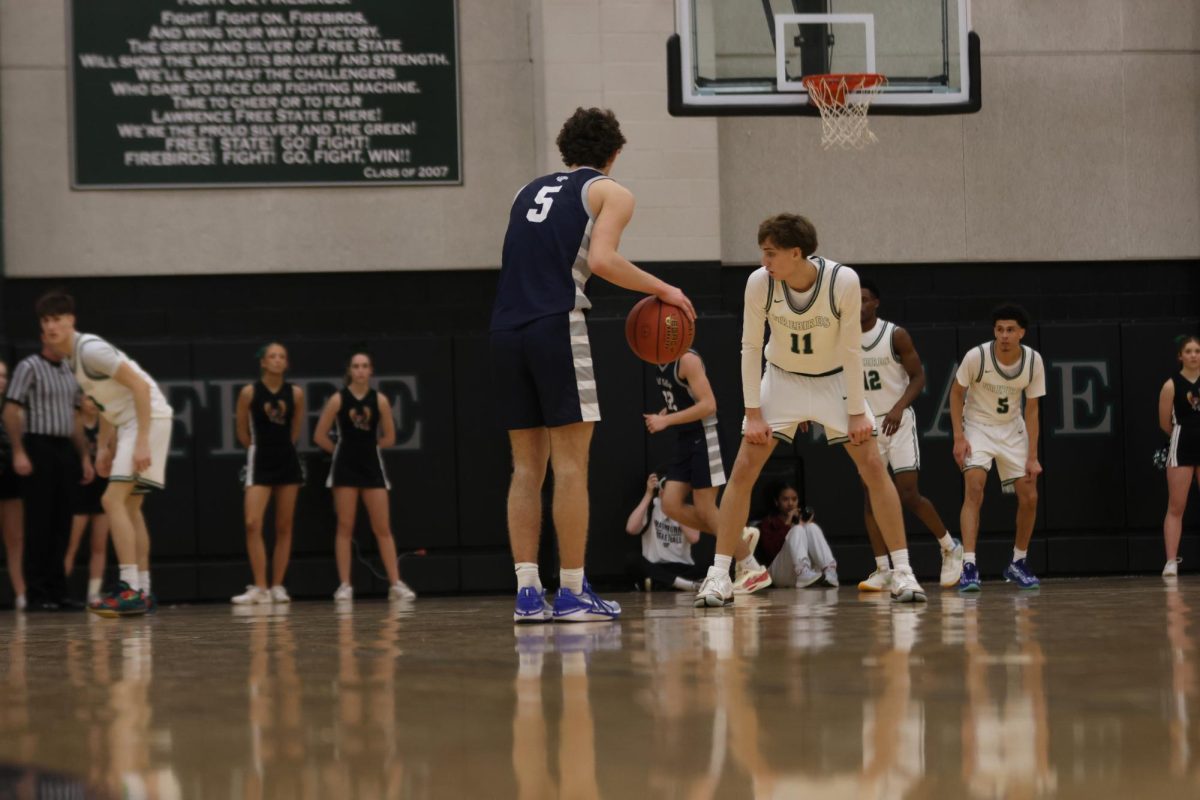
{"type": "Point", "coordinates": [691, 369]}
{"type": "Point", "coordinates": [613, 206]}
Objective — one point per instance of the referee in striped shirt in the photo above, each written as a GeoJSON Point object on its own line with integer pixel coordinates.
{"type": "Point", "coordinates": [51, 456]}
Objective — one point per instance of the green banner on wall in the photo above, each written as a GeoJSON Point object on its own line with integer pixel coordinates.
{"type": "Point", "coordinates": [206, 93]}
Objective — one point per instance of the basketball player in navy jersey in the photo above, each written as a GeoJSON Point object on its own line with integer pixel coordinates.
{"type": "Point", "coordinates": [813, 374]}
{"type": "Point", "coordinates": [893, 378]}
{"type": "Point", "coordinates": [270, 412]}
{"type": "Point", "coordinates": [690, 407]}
{"type": "Point", "coordinates": [563, 228]}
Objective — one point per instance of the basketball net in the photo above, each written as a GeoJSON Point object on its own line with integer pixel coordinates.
{"type": "Point", "coordinates": [843, 101]}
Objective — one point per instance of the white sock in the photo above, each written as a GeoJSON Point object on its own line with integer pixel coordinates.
{"type": "Point", "coordinates": [571, 579]}
{"type": "Point", "coordinates": [1019, 554]}
{"type": "Point", "coordinates": [749, 562]}
{"type": "Point", "coordinates": [129, 574]}
{"type": "Point", "coordinates": [900, 559]}
{"type": "Point", "coordinates": [968, 558]}
{"type": "Point", "coordinates": [144, 580]}
{"type": "Point", "coordinates": [527, 575]}
{"type": "Point", "coordinates": [720, 567]}
{"type": "Point", "coordinates": [94, 586]}
{"type": "Point", "coordinates": [946, 541]}
{"type": "Point", "coordinates": [684, 585]}
{"type": "Point", "coordinates": [881, 563]}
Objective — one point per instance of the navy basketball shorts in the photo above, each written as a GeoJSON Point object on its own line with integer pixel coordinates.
{"type": "Point", "coordinates": [698, 460]}
{"type": "Point", "coordinates": [542, 373]}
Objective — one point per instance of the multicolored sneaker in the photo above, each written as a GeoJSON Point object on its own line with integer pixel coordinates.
{"type": "Point", "coordinates": [151, 603]}
{"type": "Point", "coordinates": [1018, 572]}
{"type": "Point", "coordinates": [532, 606]}
{"type": "Point", "coordinates": [749, 581]}
{"type": "Point", "coordinates": [969, 582]}
{"type": "Point", "coordinates": [583, 607]}
{"type": "Point", "coordinates": [124, 602]}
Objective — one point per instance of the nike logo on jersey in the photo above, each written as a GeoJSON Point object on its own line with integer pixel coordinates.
{"type": "Point", "coordinates": [778, 301]}
{"type": "Point", "coordinates": [562, 178]}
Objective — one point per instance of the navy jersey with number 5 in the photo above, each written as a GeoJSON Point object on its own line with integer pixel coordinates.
{"type": "Point", "coordinates": [544, 266]}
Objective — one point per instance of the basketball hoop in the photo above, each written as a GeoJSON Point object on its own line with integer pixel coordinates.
{"type": "Point", "coordinates": [843, 101]}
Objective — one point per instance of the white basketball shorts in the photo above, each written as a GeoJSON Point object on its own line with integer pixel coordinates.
{"type": "Point", "coordinates": [160, 448]}
{"type": "Point", "coordinates": [1007, 445]}
{"type": "Point", "coordinates": [787, 399]}
{"type": "Point", "coordinates": [901, 451]}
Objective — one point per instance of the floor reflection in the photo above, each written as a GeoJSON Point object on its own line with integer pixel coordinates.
{"type": "Point", "coordinates": [1088, 688]}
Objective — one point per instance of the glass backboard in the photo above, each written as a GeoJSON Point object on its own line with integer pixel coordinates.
{"type": "Point", "coordinates": [747, 57]}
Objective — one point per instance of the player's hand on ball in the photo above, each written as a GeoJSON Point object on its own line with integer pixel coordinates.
{"type": "Point", "coordinates": [891, 422]}
{"type": "Point", "coordinates": [1033, 468]}
{"type": "Point", "coordinates": [675, 296]}
{"type": "Point", "coordinates": [962, 451]}
{"type": "Point", "coordinates": [656, 422]}
{"type": "Point", "coordinates": [860, 429]}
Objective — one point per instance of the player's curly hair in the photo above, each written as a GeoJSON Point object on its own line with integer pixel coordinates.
{"type": "Point", "coordinates": [1010, 311]}
{"type": "Point", "coordinates": [869, 285]}
{"type": "Point", "coordinates": [1183, 340]}
{"type": "Point", "coordinates": [789, 230]}
{"type": "Point", "coordinates": [590, 138]}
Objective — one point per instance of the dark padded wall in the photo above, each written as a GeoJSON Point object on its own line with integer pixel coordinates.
{"type": "Point", "coordinates": [1105, 335]}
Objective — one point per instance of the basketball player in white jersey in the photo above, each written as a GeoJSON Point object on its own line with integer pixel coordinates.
{"type": "Point", "coordinates": [813, 374]}
{"type": "Point", "coordinates": [134, 409]}
{"type": "Point", "coordinates": [893, 378]}
{"type": "Point", "coordinates": [991, 426]}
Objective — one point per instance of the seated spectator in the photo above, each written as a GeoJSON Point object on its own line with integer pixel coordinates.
{"type": "Point", "coordinates": [793, 545]}
{"type": "Point", "coordinates": [666, 558]}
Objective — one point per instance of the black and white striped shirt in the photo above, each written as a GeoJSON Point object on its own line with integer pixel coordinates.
{"type": "Point", "coordinates": [49, 394]}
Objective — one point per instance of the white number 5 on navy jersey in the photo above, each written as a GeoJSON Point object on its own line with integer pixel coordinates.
{"type": "Point", "coordinates": [544, 200]}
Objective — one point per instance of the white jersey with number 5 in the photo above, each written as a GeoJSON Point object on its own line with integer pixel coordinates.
{"type": "Point", "coordinates": [814, 333]}
{"type": "Point", "coordinates": [994, 390]}
{"type": "Point", "coordinates": [884, 377]}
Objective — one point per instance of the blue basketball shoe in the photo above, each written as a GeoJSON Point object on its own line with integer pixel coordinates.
{"type": "Point", "coordinates": [583, 607]}
{"type": "Point", "coordinates": [1018, 572]}
{"type": "Point", "coordinates": [532, 606]}
{"type": "Point", "coordinates": [969, 582]}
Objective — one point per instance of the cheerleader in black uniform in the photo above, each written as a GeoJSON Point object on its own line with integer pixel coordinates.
{"type": "Point", "coordinates": [12, 517]}
{"type": "Point", "coordinates": [270, 412]}
{"type": "Point", "coordinates": [1179, 417]}
{"type": "Point", "coordinates": [364, 425]}
{"type": "Point", "coordinates": [87, 508]}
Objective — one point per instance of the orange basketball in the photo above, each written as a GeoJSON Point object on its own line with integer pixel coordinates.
{"type": "Point", "coordinates": [658, 332]}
